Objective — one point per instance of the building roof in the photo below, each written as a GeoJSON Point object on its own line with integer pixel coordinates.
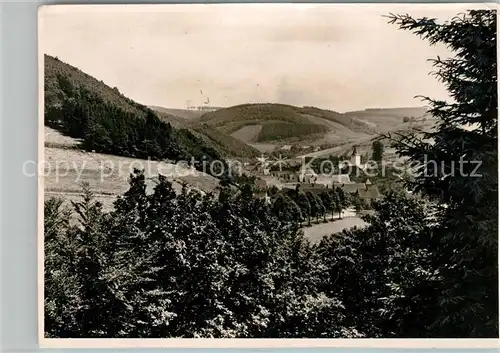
{"type": "Point", "coordinates": [353, 187]}
{"type": "Point", "coordinates": [268, 181]}
{"type": "Point", "coordinates": [370, 193]}
{"type": "Point", "coordinates": [323, 180]}
{"type": "Point", "coordinates": [341, 178]}
{"type": "Point", "coordinates": [309, 186]}
{"type": "Point", "coordinates": [290, 186]}
{"type": "Point", "coordinates": [283, 172]}
{"type": "Point", "coordinates": [335, 178]}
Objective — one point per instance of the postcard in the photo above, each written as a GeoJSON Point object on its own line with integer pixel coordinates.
{"type": "Point", "coordinates": [268, 175]}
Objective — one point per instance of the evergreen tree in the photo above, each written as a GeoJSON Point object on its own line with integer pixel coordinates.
{"type": "Point", "coordinates": [328, 202]}
{"type": "Point", "coordinates": [340, 200]}
{"type": "Point", "coordinates": [305, 206]}
{"type": "Point", "coordinates": [101, 308]}
{"type": "Point", "coordinates": [315, 206]}
{"type": "Point", "coordinates": [383, 273]}
{"type": "Point", "coordinates": [61, 285]}
{"type": "Point", "coordinates": [321, 208]}
{"type": "Point", "coordinates": [377, 150]}
{"type": "Point", "coordinates": [459, 169]}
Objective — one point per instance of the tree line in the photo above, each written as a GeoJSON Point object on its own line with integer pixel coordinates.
{"type": "Point", "coordinates": [106, 128]}
{"type": "Point", "coordinates": [182, 265]}
{"type": "Point", "coordinates": [307, 206]}
{"type": "Point", "coordinates": [186, 265]}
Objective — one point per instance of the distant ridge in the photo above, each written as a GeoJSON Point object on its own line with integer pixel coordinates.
{"type": "Point", "coordinates": [274, 123]}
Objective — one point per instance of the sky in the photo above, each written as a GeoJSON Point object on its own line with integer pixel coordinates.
{"type": "Point", "coordinates": [339, 57]}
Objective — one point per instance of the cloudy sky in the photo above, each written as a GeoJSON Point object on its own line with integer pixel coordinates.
{"type": "Point", "coordinates": [341, 57]}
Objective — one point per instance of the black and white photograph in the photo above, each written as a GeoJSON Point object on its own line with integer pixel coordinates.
{"type": "Point", "coordinates": [268, 171]}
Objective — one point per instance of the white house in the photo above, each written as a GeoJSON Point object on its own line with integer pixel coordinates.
{"type": "Point", "coordinates": [329, 180]}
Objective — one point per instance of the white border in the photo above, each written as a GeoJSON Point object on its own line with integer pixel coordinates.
{"type": "Point", "coordinates": [41, 188]}
{"type": "Point", "coordinates": [269, 343]}
{"type": "Point", "coordinates": [214, 343]}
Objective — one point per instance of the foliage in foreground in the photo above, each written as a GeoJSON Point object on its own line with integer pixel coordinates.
{"type": "Point", "coordinates": [459, 168]}
{"type": "Point", "coordinates": [167, 265]}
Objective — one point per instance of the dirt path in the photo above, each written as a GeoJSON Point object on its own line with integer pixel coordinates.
{"type": "Point", "coordinates": [318, 231]}
{"type": "Point", "coordinates": [349, 219]}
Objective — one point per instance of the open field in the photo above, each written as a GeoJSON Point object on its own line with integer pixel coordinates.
{"type": "Point", "coordinates": [387, 118]}
{"type": "Point", "coordinates": [264, 147]}
{"type": "Point", "coordinates": [247, 133]}
{"type": "Point", "coordinates": [55, 138]}
{"type": "Point", "coordinates": [281, 122]}
{"type": "Point", "coordinates": [65, 170]}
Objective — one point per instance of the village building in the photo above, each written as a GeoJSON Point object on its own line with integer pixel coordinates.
{"type": "Point", "coordinates": [263, 195]}
{"type": "Point", "coordinates": [285, 175]}
{"type": "Point", "coordinates": [341, 179]}
{"type": "Point", "coordinates": [370, 193]}
{"type": "Point", "coordinates": [307, 187]}
{"type": "Point", "coordinates": [263, 183]}
{"type": "Point", "coordinates": [355, 160]}
{"type": "Point", "coordinates": [334, 179]}
{"type": "Point", "coordinates": [289, 186]}
{"type": "Point", "coordinates": [352, 188]}
{"type": "Point", "coordinates": [324, 180]}
{"type": "Point", "coordinates": [260, 168]}
{"type": "Point", "coordinates": [366, 190]}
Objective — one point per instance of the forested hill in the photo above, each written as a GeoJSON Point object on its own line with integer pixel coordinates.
{"type": "Point", "coordinates": [108, 122]}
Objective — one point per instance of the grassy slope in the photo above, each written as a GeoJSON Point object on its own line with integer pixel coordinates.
{"type": "Point", "coordinates": [284, 122]}
{"type": "Point", "coordinates": [279, 121]}
{"type": "Point", "coordinates": [54, 95]}
{"type": "Point", "coordinates": [75, 165]}
{"type": "Point", "coordinates": [226, 145]}
{"type": "Point", "coordinates": [271, 123]}
{"type": "Point", "coordinates": [387, 119]}
{"type": "Point", "coordinates": [343, 119]}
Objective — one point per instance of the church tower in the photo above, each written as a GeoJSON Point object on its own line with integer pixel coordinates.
{"type": "Point", "coordinates": [355, 157]}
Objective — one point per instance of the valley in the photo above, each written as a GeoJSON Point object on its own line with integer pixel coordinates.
{"type": "Point", "coordinates": [241, 132]}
